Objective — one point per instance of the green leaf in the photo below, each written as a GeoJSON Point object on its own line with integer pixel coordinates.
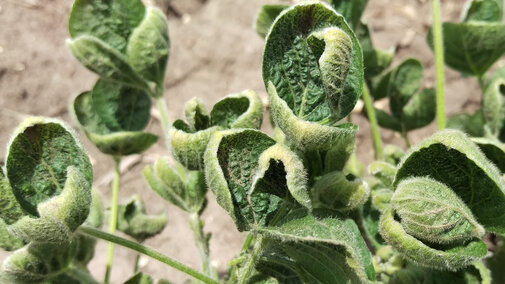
{"type": "Point", "coordinates": [471, 124]}
{"type": "Point", "coordinates": [375, 60]}
{"type": "Point", "coordinates": [483, 10]}
{"type": "Point", "coordinates": [340, 192]}
{"type": "Point", "coordinates": [140, 278]}
{"type": "Point", "coordinates": [113, 117]}
{"type": "Point", "coordinates": [420, 111]}
{"type": "Point", "coordinates": [39, 154]}
{"type": "Point", "coordinates": [133, 220]}
{"type": "Point", "coordinates": [451, 158]}
{"type": "Point", "coordinates": [351, 10]}
{"type": "Point", "coordinates": [494, 151]}
{"type": "Point", "coordinates": [472, 47]}
{"type": "Point", "coordinates": [189, 141]}
{"type": "Point", "coordinates": [185, 189]}
{"type": "Point", "coordinates": [432, 212]}
{"type": "Point", "coordinates": [313, 63]}
{"type": "Point", "coordinates": [111, 21]}
{"type": "Point", "coordinates": [10, 209]}
{"type": "Point", "coordinates": [36, 262]}
{"type": "Point", "coordinates": [251, 175]}
{"type": "Point", "coordinates": [105, 61]}
{"type": "Point", "coordinates": [323, 246]}
{"type": "Point", "coordinates": [266, 17]}
{"type": "Point", "coordinates": [149, 47]}
{"type": "Point", "coordinates": [493, 107]}
{"type": "Point", "coordinates": [475, 274]}
{"type": "Point", "coordinates": [436, 257]}
{"type": "Point", "coordinates": [495, 262]}
{"type": "Point", "coordinates": [393, 154]}
{"type": "Point", "coordinates": [383, 171]}
{"type": "Point", "coordinates": [85, 250]}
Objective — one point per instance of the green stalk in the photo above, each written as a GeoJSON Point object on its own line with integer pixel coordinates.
{"type": "Point", "coordinates": [113, 217]}
{"type": "Point", "coordinates": [136, 265]}
{"type": "Point", "coordinates": [98, 234]}
{"type": "Point", "coordinates": [162, 108]}
{"type": "Point", "coordinates": [246, 271]}
{"type": "Point", "coordinates": [201, 242]}
{"type": "Point", "coordinates": [439, 62]}
{"type": "Point", "coordinates": [377, 142]}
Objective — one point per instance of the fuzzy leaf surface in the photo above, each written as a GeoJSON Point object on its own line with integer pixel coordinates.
{"type": "Point", "coordinates": [494, 151]}
{"type": "Point", "coordinates": [39, 155]}
{"type": "Point", "coordinates": [323, 246]}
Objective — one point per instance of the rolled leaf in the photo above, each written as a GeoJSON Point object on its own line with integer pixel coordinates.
{"type": "Point", "coordinates": [251, 176]}
{"type": "Point", "coordinates": [340, 192]}
{"type": "Point", "coordinates": [322, 239]}
{"type": "Point", "coordinates": [113, 117]}
{"type": "Point", "coordinates": [189, 141]}
{"type": "Point", "coordinates": [313, 72]}
{"type": "Point", "coordinates": [476, 273]}
{"type": "Point", "coordinates": [393, 154]}
{"type": "Point", "coordinates": [10, 209]}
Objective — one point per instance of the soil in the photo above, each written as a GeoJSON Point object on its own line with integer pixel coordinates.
{"type": "Point", "coordinates": [215, 51]}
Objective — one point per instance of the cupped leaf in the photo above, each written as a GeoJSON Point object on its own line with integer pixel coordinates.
{"type": "Point", "coordinates": [251, 176]}
{"type": "Point", "coordinates": [451, 158]}
{"type": "Point", "coordinates": [483, 10]}
{"type": "Point", "coordinates": [242, 110]}
{"type": "Point", "coordinates": [313, 62]}
{"type": "Point", "coordinates": [133, 220]}
{"type": "Point", "coordinates": [189, 141]}
{"type": "Point", "coordinates": [393, 154]}
{"type": "Point", "coordinates": [420, 111]}
{"type": "Point", "coordinates": [185, 189]}
{"type": "Point", "coordinates": [474, 274]}
{"type": "Point", "coordinates": [322, 239]}
{"type": "Point", "coordinates": [60, 215]}
{"type": "Point", "coordinates": [494, 151]}
{"type": "Point", "coordinates": [113, 117]}
{"type": "Point", "coordinates": [266, 17]}
{"type": "Point", "coordinates": [39, 154]}
{"type": "Point", "coordinates": [351, 10]}
{"type": "Point", "coordinates": [149, 47]}
{"type": "Point", "coordinates": [36, 262]}
{"type": "Point", "coordinates": [432, 212]}
{"type": "Point", "coordinates": [471, 124]}
{"type": "Point", "coordinates": [111, 21]}
{"type": "Point", "coordinates": [436, 257]}
{"type": "Point", "coordinates": [472, 47]}
{"type": "Point", "coordinates": [105, 61]}
{"type": "Point", "coordinates": [340, 192]}
{"type": "Point", "coordinates": [493, 107]}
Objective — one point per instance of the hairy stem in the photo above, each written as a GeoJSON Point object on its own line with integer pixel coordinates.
{"type": "Point", "coordinates": [248, 268]}
{"type": "Point", "coordinates": [439, 62]}
{"type": "Point", "coordinates": [96, 233]}
{"type": "Point", "coordinates": [162, 108]}
{"type": "Point", "coordinates": [377, 142]}
{"type": "Point", "coordinates": [201, 242]}
{"type": "Point", "coordinates": [113, 217]}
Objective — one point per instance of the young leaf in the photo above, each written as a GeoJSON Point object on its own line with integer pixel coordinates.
{"type": "Point", "coordinates": [266, 17]}
{"type": "Point", "coordinates": [432, 212]}
{"type": "Point", "coordinates": [340, 192]}
{"type": "Point", "coordinates": [39, 154]}
{"type": "Point", "coordinates": [85, 250]}
{"type": "Point", "coordinates": [472, 47]}
{"type": "Point", "coordinates": [393, 154]}
{"type": "Point", "coordinates": [383, 171]}
{"type": "Point", "coordinates": [351, 10]}
{"type": "Point", "coordinates": [494, 151]}
{"type": "Point", "coordinates": [149, 47]}
{"type": "Point", "coordinates": [483, 10]}
{"type": "Point", "coordinates": [133, 220]}
{"type": "Point", "coordinates": [322, 239]}
{"type": "Point", "coordinates": [113, 117]}
{"type": "Point", "coordinates": [313, 72]}
{"type": "Point", "coordinates": [375, 60]}
{"type": "Point", "coordinates": [251, 176]}
{"type": "Point", "coordinates": [471, 124]}
{"type": "Point", "coordinates": [451, 158]}
{"type": "Point", "coordinates": [184, 189]}
{"type": "Point", "coordinates": [189, 141]}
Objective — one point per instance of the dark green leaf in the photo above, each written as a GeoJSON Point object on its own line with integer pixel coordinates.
{"type": "Point", "coordinates": [133, 220]}
{"type": "Point", "coordinates": [471, 124]}
{"type": "Point", "coordinates": [375, 60]}
{"type": "Point", "coordinates": [243, 110]}
{"type": "Point", "coordinates": [494, 151]}
{"type": "Point", "coordinates": [266, 17]}
{"type": "Point", "coordinates": [420, 111]}
{"type": "Point", "coordinates": [350, 9]}
{"type": "Point", "coordinates": [196, 115]}
{"type": "Point", "coordinates": [483, 10]}
{"type": "Point", "coordinates": [493, 107]}
{"type": "Point", "coordinates": [8, 242]}
{"type": "Point", "coordinates": [495, 262]}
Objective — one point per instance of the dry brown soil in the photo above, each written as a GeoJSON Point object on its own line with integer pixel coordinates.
{"type": "Point", "coordinates": [215, 51]}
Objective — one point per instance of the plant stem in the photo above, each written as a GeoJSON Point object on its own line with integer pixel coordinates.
{"type": "Point", "coordinates": [405, 136]}
{"type": "Point", "coordinates": [439, 62]}
{"type": "Point", "coordinates": [482, 83]}
{"type": "Point", "coordinates": [113, 217]}
{"type": "Point", "coordinates": [83, 276]}
{"type": "Point", "coordinates": [201, 242]}
{"type": "Point", "coordinates": [248, 268]}
{"type": "Point", "coordinates": [162, 108]}
{"type": "Point", "coordinates": [96, 233]}
{"type": "Point", "coordinates": [136, 265]}
{"type": "Point", "coordinates": [377, 142]}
